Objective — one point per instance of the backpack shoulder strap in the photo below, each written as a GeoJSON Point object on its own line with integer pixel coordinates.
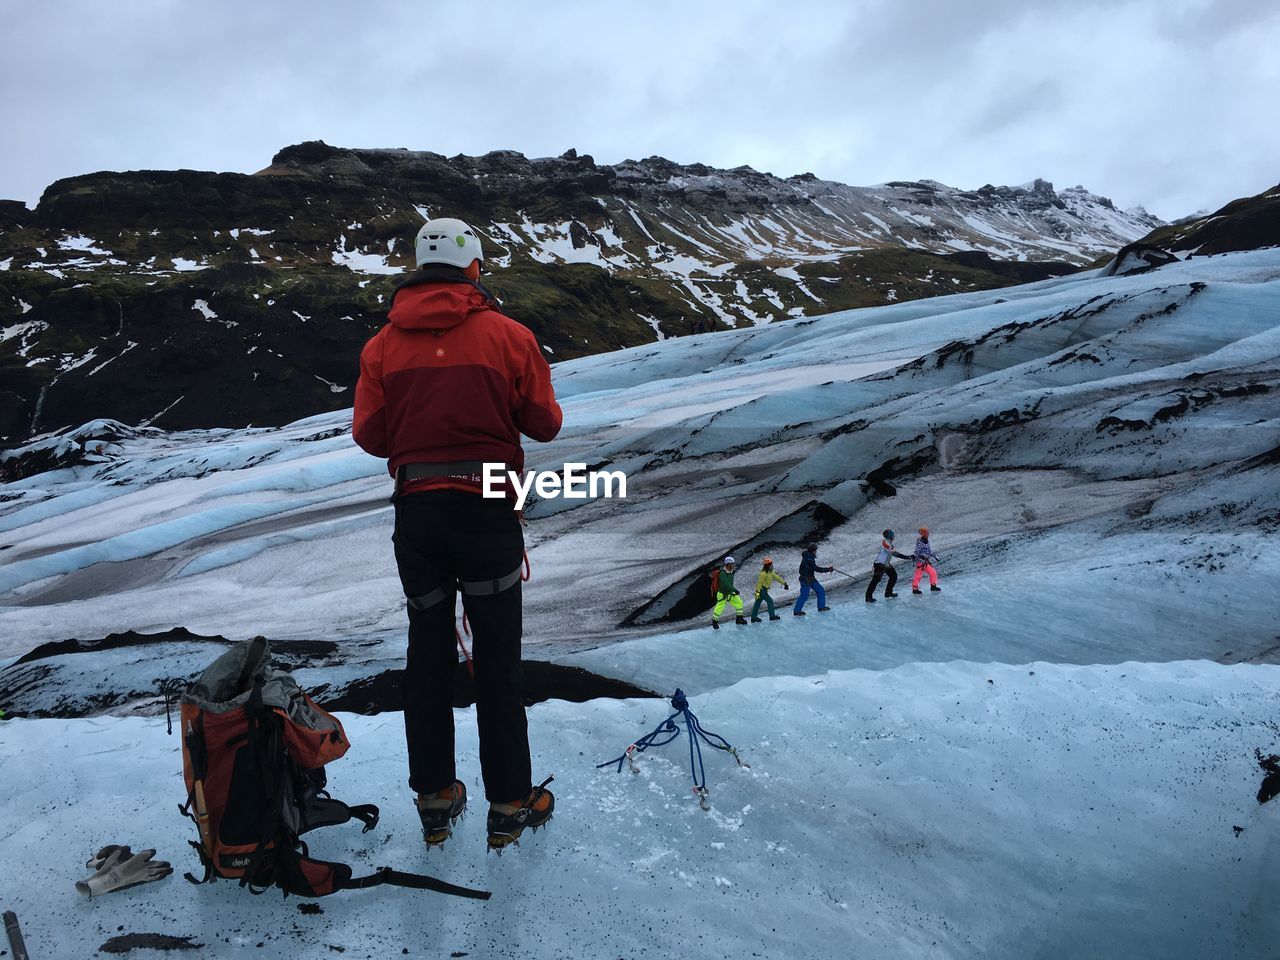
{"type": "Point", "coordinates": [321, 810]}
{"type": "Point", "coordinates": [414, 881]}
{"type": "Point", "coordinates": [298, 873]}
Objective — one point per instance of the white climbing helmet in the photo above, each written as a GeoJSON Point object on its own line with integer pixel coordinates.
{"type": "Point", "coordinates": [728, 561]}
{"type": "Point", "coordinates": [447, 240]}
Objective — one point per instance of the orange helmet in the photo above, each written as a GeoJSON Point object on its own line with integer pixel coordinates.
{"type": "Point", "coordinates": [924, 531]}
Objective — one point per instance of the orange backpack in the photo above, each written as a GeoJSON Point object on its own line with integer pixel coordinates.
{"type": "Point", "coordinates": [254, 747]}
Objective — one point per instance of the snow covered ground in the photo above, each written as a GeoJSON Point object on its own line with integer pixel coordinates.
{"type": "Point", "coordinates": [1052, 757]}
{"type": "Point", "coordinates": [931, 810]}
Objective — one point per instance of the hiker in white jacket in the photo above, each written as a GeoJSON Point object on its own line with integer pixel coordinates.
{"type": "Point", "coordinates": [883, 567]}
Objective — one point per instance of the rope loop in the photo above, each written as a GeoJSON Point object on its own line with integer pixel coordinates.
{"type": "Point", "coordinates": [668, 730]}
{"type": "Point", "coordinates": [471, 669]}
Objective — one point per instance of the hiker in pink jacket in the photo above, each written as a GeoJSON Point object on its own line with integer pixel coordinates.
{"type": "Point", "coordinates": [924, 557]}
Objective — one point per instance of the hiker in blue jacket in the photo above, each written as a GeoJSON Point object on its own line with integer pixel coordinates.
{"type": "Point", "coordinates": [808, 581]}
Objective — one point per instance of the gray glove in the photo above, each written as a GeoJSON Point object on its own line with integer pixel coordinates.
{"type": "Point", "coordinates": [113, 855]}
{"type": "Point", "coordinates": [118, 869]}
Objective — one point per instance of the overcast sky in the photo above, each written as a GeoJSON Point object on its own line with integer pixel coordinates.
{"type": "Point", "coordinates": [1163, 103]}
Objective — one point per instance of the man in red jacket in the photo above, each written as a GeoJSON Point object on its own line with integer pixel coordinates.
{"type": "Point", "coordinates": [449, 385]}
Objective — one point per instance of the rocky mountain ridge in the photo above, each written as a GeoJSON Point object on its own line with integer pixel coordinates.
{"type": "Point", "coordinates": [194, 299]}
{"type": "Point", "coordinates": [1248, 223]}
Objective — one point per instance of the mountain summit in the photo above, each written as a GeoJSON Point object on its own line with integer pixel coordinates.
{"type": "Point", "coordinates": [557, 209]}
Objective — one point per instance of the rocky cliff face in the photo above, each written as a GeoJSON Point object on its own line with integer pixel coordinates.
{"type": "Point", "coordinates": [193, 299]}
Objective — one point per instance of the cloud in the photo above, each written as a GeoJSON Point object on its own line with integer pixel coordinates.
{"type": "Point", "coordinates": [1161, 103]}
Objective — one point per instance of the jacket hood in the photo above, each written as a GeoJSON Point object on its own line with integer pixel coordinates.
{"type": "Point", "coordinates": [435, 306]}
{"type": "Point", "coordinates": [437, 299]}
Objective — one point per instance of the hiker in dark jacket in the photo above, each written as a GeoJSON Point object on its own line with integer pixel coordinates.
{"type": "Point", "coordinates": [883, 566]}
{"type": "Point", "coordinates": [809, 581]}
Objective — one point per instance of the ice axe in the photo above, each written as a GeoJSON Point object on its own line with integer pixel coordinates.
{"type": "Point", "coordinates": [843, 574]}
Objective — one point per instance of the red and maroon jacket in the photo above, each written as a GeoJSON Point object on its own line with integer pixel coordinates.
{"type": "Point", "coordinates": [450, 380]}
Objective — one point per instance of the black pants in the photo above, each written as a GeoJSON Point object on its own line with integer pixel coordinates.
{"type": "Point", "coordinates": [442, 537]}
{"type": "Point", "coordinates": [880, 571]}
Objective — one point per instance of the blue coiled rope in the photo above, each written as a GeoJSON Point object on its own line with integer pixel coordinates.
{"type": "Point", "coordinates": [667, 731]}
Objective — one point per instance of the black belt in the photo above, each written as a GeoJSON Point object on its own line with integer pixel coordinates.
{"type": "Point", "coordinates": [417, 471]}
{"type": "Point", "coordinates": [408, 472]}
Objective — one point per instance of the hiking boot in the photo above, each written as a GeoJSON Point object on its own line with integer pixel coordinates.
{"type": "Point", "coordinates": [797, 613]}
{"type": "Point", "coordinates": [715, 624]}
{"type": "Point", "coordinates": [935, 589]}
{"type": "Point", "coordinates": [871, 599]}
{"type": "Point", "coordinates": [890, 596]}
{"type": "Point", "coordinates": [508, 820]}
{"type": "Point", "coordinates": [918, 593]}
{"type": "Point", "coordinates": [742, 621]}
{"type": "Point", "coordinates": [823, 609]}
{"type": "Point", "coordinates": [774, 616]}
{"type": "Point", "coordinates": [440, 810]}
{"type": "Point", "coordinates": [755, 619]}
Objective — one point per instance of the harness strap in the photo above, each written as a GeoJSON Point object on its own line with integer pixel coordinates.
{"type": "Point", "coordinates": [485, 588]}
{"type": "Point", "coordinates": [472, 588]}
{"type": "Point", "coordinates": [429, 600]}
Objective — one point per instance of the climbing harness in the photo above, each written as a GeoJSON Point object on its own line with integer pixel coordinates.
{"type": "Point", "coordinates": [477, 588]}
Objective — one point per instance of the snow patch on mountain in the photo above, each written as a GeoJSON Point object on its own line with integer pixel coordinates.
{"type": "Point", "coordinates": [360, 261]}
{"type": "Point", "coordinates": [83, 245]}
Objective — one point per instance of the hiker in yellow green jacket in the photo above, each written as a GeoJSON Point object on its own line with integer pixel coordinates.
{"type": "Point", "coordinates": [766, 579]}
{"type": "Point", "coordinates": [723, 590]}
